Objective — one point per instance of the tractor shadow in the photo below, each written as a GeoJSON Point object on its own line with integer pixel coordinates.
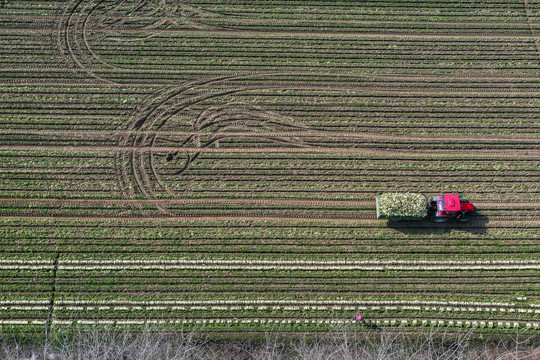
{"type": "Point", "coordinates": [477, 225]}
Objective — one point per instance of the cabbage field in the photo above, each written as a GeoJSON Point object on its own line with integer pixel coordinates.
{"type": "Point", "coordinates": [214, 164]}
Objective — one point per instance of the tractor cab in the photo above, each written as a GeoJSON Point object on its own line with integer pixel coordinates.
{"type": "Point", "coordinates": [449, 206]}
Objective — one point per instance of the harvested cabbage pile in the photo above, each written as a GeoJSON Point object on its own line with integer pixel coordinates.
{"type": "Point", "coordinates": [402, 204]}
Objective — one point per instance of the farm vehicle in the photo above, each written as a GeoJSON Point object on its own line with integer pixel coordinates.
{"type": "Point", "coordinates": [413, 206]}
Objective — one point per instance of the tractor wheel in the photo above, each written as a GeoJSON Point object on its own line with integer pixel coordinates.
{"type": "Point", "coordinates": [464, 219]}
{"type": "Point", "coordinates": [438, 219]}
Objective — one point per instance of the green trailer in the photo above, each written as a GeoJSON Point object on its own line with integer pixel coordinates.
{"type": "Point", "coordinates": [401, 206]}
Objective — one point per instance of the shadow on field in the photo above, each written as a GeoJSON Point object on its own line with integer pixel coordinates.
{"type": "Point", "coordinates": [477, 225]}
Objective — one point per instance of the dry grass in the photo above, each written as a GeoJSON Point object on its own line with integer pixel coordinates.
{"type": "Point", "coordinates": [343, 344]}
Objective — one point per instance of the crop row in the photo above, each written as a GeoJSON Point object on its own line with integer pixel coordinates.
{"type": "Point", "coordinates": [230, 326]}
{"type": "Point", "coordinates": [17, 231]}
{"type": "Point", "coordinates": [166, 73]}
{"type": "Point", "coordinates": [505, 11]}
{"type": "Point", "coordinates": [362, 163]}
{"type": "Point", "coordinates": [100, 226]}
{"type": "Point", "coordinates": [299, 58]}
{"type": "Point", "coordinates": [509, 81]}
{"type": "Point", "coordinates": [155, 209]}
{"type": "Point", "coordinates": [377, 142]}
{"type": "Point", "coordinates": [352, 113]}
{"type": "Point", "coordinates": [277, 9]}
{"type": "Point", "coordinates": [195, 284]}
{"type": "Point", "coordinates": [160, 312]}
{"type": "Point", "coordinates": [106, 312]}
{"type": "Point", "coordinates": [432, 97]}
{"type": "Point", "coordinates": [110, 249]}
{"type": "Point", "coordinates": [113, 282]}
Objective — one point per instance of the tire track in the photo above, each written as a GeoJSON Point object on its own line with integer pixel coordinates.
{"type": "Point", "coordinates": [84, 32]}
{"type": "Point", "coordinates": [155, 116]}
{"type": "Point", "coordinates": [67, 40]}
{"type": "Point", "coordinates": [531, 27]}
{"type": "Point", "coordinates": [138, 121]}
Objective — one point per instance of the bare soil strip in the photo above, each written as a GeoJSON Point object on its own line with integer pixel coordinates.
{"type": "Point", "coordinates": [404, 34]}
{"type": "Point", "coordinates": [197, 201]}
{"type": "Point", "coordinates": [278, 265]}
{"type": "Point", "coordinates": [313, 133]}
{"type": "Point", "coordinates": [225, 302]}
{"type": "Point", "coordinates": [11, 17]}
{"type": "Point", "coordinates": [188, 218]}
{"type": "Point", "coordinates": [303, 262]}
{"type": "Point", "coordinates": [247, 73]}
{"type": "Point", "coordinates": [322, 150]}
{"type": "Point", "coordinates": [412, 88]}
{"type": "Point", "coordinates": [482, 204]}
{"type": "Point", "coordinates": [342, 34]}
{"type": "Point", "coordinates": [71, 50]}
{"type": "Point", "coordinates": [497, 220]}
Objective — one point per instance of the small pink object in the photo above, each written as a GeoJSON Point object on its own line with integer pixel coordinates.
{"type": "Point", "coordinates": [359, 318]}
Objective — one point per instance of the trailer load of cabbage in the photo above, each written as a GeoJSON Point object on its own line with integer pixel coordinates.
{"type": "Point", "coordinates": [401, 205]}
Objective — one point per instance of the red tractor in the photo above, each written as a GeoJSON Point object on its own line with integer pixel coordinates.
{"type": "Point", "coordinates": [449, 206]}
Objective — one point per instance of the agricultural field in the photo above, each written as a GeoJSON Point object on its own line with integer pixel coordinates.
{"type": "Point", "coordinates": [214, 164]}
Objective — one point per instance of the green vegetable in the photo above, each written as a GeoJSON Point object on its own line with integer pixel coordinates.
{"type": "Point", "coordinates": [402, 204]}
